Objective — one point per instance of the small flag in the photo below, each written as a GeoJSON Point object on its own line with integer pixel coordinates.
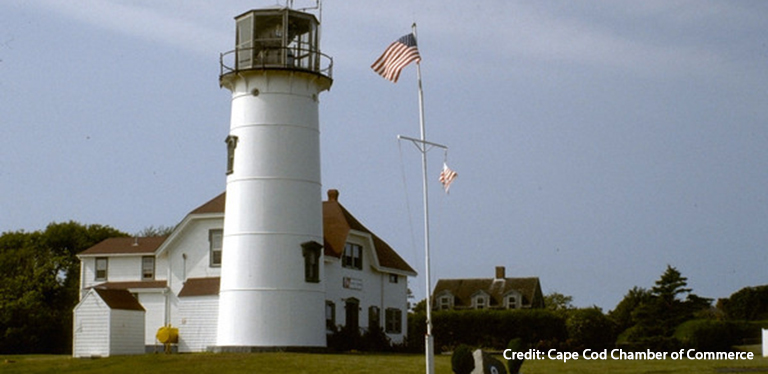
{"type": "Point", "coordinates": [447, 176]}
{"type": "Point", "coordinates": [397, 56]}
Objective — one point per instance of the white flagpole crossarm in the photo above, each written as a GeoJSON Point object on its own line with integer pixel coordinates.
{"type": "Point", "coordinates": [423, 143]}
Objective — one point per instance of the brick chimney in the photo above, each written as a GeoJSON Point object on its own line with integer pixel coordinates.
{"type": "Point", "coordinates": [333, 195]}
{"type": "Point", "coordinates": [500, 272]}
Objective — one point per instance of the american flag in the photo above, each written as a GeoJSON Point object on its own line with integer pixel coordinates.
{"type": "Point", "coordinates": [397, 56]}
{"type": "Point", "coordinates": [447, 176]}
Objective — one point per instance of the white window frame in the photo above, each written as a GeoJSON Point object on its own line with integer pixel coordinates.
{"type": "Point", "coordinates": [353, 256]}
{"type": "Point", "coordinates": [444, 302]}
{"type": "Point", "coordinates": [312, 254]}
{"type": "Point", "coordinates": [481, 302]}
{"type": "Point", "coordinates": [105, 270]}
{"type": "Point", "coordinates": [147, 268]}
{"type": "Point", "coordinates": [512, 301]}
{"type": "Point", "coordinates": [215, 244]}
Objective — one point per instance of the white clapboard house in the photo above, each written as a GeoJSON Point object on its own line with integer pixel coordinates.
{"type": "Point", "coordinates": [175, 281]}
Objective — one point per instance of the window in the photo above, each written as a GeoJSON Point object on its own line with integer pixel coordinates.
{"type": "Point", "coordinates": [311, 252]}
{"type": "Point", "coordinates": [393, 278]}
{"type": "Point", "coordinates": [512, 302]}
{"type": "Point", "coordinates": [444, 303]}
{"type": "Point", "coordinates": [215, 238]}
{"type": "Point", "coordinates": [330, 316]}
{"type": "Point", "coordinates": [373, 318]}
{"type": "Point", "coordinates": [244, 42]}
{"type": "Point", "coordinates": [353, 256]}
{"type": "Point", "coordinates": [147, 268]}
{"type": "Point", "coordinates": [231, 145]}
{"type": "Point", "coordinates": [101, 268]}
{"type": "Point", "coordinates": [394, 319]}
{"type": "Point", "coordinates": [480, 302]}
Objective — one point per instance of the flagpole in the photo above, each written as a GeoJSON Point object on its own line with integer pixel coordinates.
{"type": "Point", "coordinates": [429, 339]}
{"type": "Point", "coordinates": [399, 54]}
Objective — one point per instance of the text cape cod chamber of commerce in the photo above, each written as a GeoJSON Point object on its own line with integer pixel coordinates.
{"type": "Point", "coordinates": [619, 354]}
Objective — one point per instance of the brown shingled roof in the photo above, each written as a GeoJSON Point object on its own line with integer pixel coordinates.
{"type": "Point", "coordinates": [146, 245]}
{"type": "Point", "coordinates": [119, 299]}
{"type": "Point", "coordinates": [131, 285]}
{"type": "Point", "coordinates": [215, 205]}
{"type": "Point", "coordinates": [464, 289]}
{"type": "Point", "coordinates": [337, 222]}
{"type": "Point", "coordinates": [200, 287]}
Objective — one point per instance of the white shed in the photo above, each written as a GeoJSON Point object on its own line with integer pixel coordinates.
{"type": "Point", "coordinates": [108, 322]}
{"type": "Point", "coordinates": [765, 342]}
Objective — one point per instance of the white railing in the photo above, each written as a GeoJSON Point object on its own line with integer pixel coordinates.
{"type": "Point", "coordinates": [276, 58]}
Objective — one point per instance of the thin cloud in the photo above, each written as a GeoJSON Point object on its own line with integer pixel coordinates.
{"type": "Point", "coordinates": [170, 26]}
{"type": "Point", "coordinates": [660, 44]}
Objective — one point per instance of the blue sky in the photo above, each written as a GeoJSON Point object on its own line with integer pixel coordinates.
{"type": "Point", "coordinates": [595, 141]}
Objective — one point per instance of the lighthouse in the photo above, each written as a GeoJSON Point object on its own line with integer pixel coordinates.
{"type": "Point", "coordinates": [272, 292]}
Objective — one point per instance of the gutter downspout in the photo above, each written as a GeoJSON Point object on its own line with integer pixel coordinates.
{"type": "Point", "coordinates": [166, 292]}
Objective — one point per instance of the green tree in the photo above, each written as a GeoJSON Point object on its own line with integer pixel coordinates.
{"type": "Point", "coordinates": [39, 285]}
{"type": "Point", "coordinates": [748, 303]}
{"type": "Point", "coordinates": [622, 314]}
{"type": "Point", "coordinates": [657, 315]}
{"type": "Point", "coordinates": [589, 328]}
{"type": "Point", "coordinates": [155, 231]}
{"type": "Point", "coordinates": [420, 307]}
{"type": "Point", "coordinates": [557, 301]}
{"type": "Point", "coordinates": [671, 284]}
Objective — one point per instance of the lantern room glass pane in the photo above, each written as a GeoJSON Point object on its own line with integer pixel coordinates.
{"type": "Point", "coordinates": [302, 39]}
{"type": "Point", "coordinates": [268, 35]}
{"type": "Point", "coordinates": [244, 43]}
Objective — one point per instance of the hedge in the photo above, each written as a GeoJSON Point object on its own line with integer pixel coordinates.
{"type": "Point", "coordinates": [715, 335]}
{"type": "Point", "coordinates": [489, 329]}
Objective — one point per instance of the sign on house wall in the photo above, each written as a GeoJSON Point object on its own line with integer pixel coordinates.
{"type": "Point", "coordinates": [352, 283]}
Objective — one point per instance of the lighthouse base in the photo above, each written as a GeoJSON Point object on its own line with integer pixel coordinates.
{"type": "Point", "coordinates": [242, 349]}
{"type": "Point", "coordinates": [271, 319]}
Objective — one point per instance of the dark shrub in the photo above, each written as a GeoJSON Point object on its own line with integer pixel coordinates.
{"type": "Point", "coordinates": [345, 339]}
{"type": "Point", "coordinates": [707, 335]}
{"type": "Point", "coordinates": [515, 345]}
{"type": "Point", "coordinates": [462, 361]}
{"type": "Point", "coordinates": [589, 328]}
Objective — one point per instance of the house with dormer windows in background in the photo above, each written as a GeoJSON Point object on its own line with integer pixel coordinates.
{"type": "Point", "coordinates": [498, 292]}
{"type": "Point", "coordinates": [175, 280]}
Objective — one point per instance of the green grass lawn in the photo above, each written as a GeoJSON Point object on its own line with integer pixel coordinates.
{"type": "Point", "coordinates": [344, 363]}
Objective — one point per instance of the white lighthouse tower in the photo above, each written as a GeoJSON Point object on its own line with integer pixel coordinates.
{"type": "Point", "coordinates": [272, 293]}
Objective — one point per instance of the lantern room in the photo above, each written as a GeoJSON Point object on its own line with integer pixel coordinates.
{"type": "Point", "coordinates": [276, 38]}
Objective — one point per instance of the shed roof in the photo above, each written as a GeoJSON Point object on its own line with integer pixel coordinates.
{"type": "Point", "coordinates": [119, 299]}
{"type": "Point", "coordinates": [200, 287]}
{"type": "Point", "coordinates": [132, 285]}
